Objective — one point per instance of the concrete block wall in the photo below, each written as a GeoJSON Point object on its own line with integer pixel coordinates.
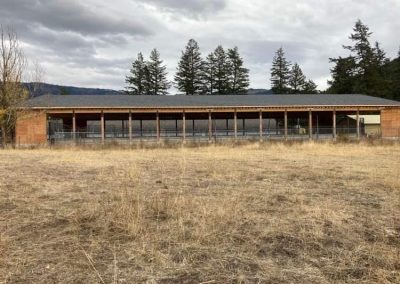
{"type": "Point", "coordinates": [390, 123]}
{"type": "Point", "coordinates": [31, 128]}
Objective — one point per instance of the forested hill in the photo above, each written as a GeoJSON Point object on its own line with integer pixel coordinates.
{"type": "Point", "coordinates": [39, 89]}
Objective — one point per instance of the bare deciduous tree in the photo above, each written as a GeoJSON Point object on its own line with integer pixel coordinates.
{"type": "Point", "coordinates": [35, 77]}
{"type": "Point", "coordinates": [12, 92]}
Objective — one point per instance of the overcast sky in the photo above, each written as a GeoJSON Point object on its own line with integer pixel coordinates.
{"type": "Point", "coordinates": [92, 43]}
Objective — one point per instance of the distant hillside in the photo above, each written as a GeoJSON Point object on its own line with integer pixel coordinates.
{"type": "Point", "coordinates": [259, 92]}
{"type": "Point", "coordinates": [39, 89]}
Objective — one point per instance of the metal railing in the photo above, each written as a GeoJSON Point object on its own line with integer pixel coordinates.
{"type": "Point", "coordinates": [296, 133]}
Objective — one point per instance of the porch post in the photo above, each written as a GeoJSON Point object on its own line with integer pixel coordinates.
{"type": "Point", "coordinates": [102, 127]}
{"type": "Point", "coordinates": [235, 123]}
{"type": "Point", "coordinates": [358, 124]}
{"type": "Point", "coordinates": [130, 126]}
{"type": "Point", "coordinates": [334, 124]}
{"type": "Point", "coordinates": [286, 124]}
{"type": "Point", "coordinates": [158, 125]}
{"type": "Point", "coordinates": [310, 125]}
{"type": "Point", "coordinates": [73, 126]}
{"type": "Point", "coordinates": [261, 125]}
{"type": "Point", "coordinates": [209, 126]}
{"type": "Point", "coordinates": [184, 126]}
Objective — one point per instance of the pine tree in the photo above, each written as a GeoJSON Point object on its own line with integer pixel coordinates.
{"type": "Point", "coordinates": [380, 55]}
{"type": "Point", "coordinates": [221, 71]}
{"type": "Point", "coordinates": [297, 80]}
{"type": "Point", "coordinates": [238, 79]}
{"type": "Point", "coordinates": [309, 87]}
{"type": "Point", "coordinates": [158, 83]}
{"type": "Point", "coordinates": [280, 73]}
{"type": "Point", "coordinates": [188, 78]}
{"type": "Point", "coordinates": [343, 75]}
{"type": "Point", "coordinates": [137, 78]}
{"type": "Point", "coordinates": [362, 47]}
{"type": "Point", "coordinates": [393, 70]}
{"type": "Point", "coordinates": [209, 71]}
{"type": "Point", "coordinates": [363, 71]}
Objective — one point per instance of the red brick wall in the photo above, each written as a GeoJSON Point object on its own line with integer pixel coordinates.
{"type": "Point", "coordinates": [31, 128]}
{"type": "Point", "coordinates": [390, 122]}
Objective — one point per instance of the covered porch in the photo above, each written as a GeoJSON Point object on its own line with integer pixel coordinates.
{"type": "Point", "coordinates": [127, 126]}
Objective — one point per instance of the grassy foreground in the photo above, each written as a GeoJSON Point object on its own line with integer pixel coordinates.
{"type": "Point", "coordinates": [306, 213]}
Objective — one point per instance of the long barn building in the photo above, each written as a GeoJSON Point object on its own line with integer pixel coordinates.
{"type": "Point", "coordinates": [87, 119]}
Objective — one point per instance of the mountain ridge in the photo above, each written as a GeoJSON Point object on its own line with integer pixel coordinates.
{"type": "Point", "coordinates": [40, 89]}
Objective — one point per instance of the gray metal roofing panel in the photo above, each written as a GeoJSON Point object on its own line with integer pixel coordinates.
{"type": "Point", "coordinates": [126, 101]}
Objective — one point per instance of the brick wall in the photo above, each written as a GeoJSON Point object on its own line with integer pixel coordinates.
{"type": "Point", "coordinates": [31, 128]}
{"type": "Point", "coordinates": [390, 122]}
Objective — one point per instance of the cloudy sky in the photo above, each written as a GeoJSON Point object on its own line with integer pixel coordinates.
{"type": "Point", "coordinates": [92, 43]}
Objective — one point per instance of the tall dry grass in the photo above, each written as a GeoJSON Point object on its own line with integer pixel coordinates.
{"type": "Point", "coordinates": [301, 213]}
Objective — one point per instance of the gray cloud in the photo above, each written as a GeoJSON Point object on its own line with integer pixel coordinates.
{"type": "Point", "coordinates": [73, 16]}
{"type": "Point", "coordinates": [92, 43]}
{"type": "Point", "coordinates": [193, 7]}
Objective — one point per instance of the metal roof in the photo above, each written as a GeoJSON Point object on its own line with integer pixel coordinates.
{"type": "Point", "coordinates": [178, 101]}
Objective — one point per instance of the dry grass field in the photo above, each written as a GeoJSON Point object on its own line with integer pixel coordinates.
{"type": "Point", "coordinates": [272, 213]}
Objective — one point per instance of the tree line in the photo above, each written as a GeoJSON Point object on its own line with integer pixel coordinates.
{"type": "Point", "coordinates": [288, 79]}
{"type": "Point", "coordinates": [366, 70]}
{"type": "Point", "coordinates": [221, 72]}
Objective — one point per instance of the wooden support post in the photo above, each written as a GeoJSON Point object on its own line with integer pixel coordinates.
{"type": "Point", "coordinates": [261, 125]}
{"type": "Point", "coordinates": [141, 128]}
{"type": "Point", "coordinates": [184, 126]}
{"type": "Point", "coordinates": [193, 128]}
{"type": "Point", "coordinates": [176, 127]}
{"type": "Point", "coordinates": [227, 127]}
{"type": "Point", "coordinates": [74, 126]}
{"type": "Point", "coordinates": [285, 124]}
{"type": "Point", "coordinates": [334, 124]}
{"type": "Point", "coordinates": [235, 123]}
{"type": "Point", "coordinates": [130, 126]}
{"type": "Point", "coordinates": [310, 125]}
{"type": "Point", "coordinates": [102, 127]}
{"type": "Point", "coordinates": [244, 126]}
{"type": "Point", "coordinates": [158, 126]}
{"type": "Point", "coordinates": [209, 126]}
{"type": "Point", "coordinates": [358, 123]}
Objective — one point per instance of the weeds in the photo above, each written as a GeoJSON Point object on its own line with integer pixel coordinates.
{"type": "Point", "coordinates": [254, 213]}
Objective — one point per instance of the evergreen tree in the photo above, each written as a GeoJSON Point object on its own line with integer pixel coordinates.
{"type": "Point", "coordinates": [221, 80]}
{"type": "Point", "coordinates": [364, 67]}
{"type": "Point", "coordinates": [392, 69]}
{"type": "Point", "coordinates": [343, 75]}
{"type": "Point", "coordinates": [157, 74]}
{"type": "Point", "coordinates": [396, 81]}
{"type": "Point", "coordinates": [361, 48]}
{"type": "Point", "coordinates": [280, 73]}
{"type": "Point", "coordinates": [380, 55]}
{"type": "Point", "coordinates": [137, 78]}
{"type": "Point", "coordinates": [309, 87]}
{"type": "Point", "coordinates": [297, 80]}
{"type": "Point", "coordinates": [238, 78]}
{"type": "Point", "coordinates": [188, 77]}
{"type": "Point", "coordinates": [209, 71]}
